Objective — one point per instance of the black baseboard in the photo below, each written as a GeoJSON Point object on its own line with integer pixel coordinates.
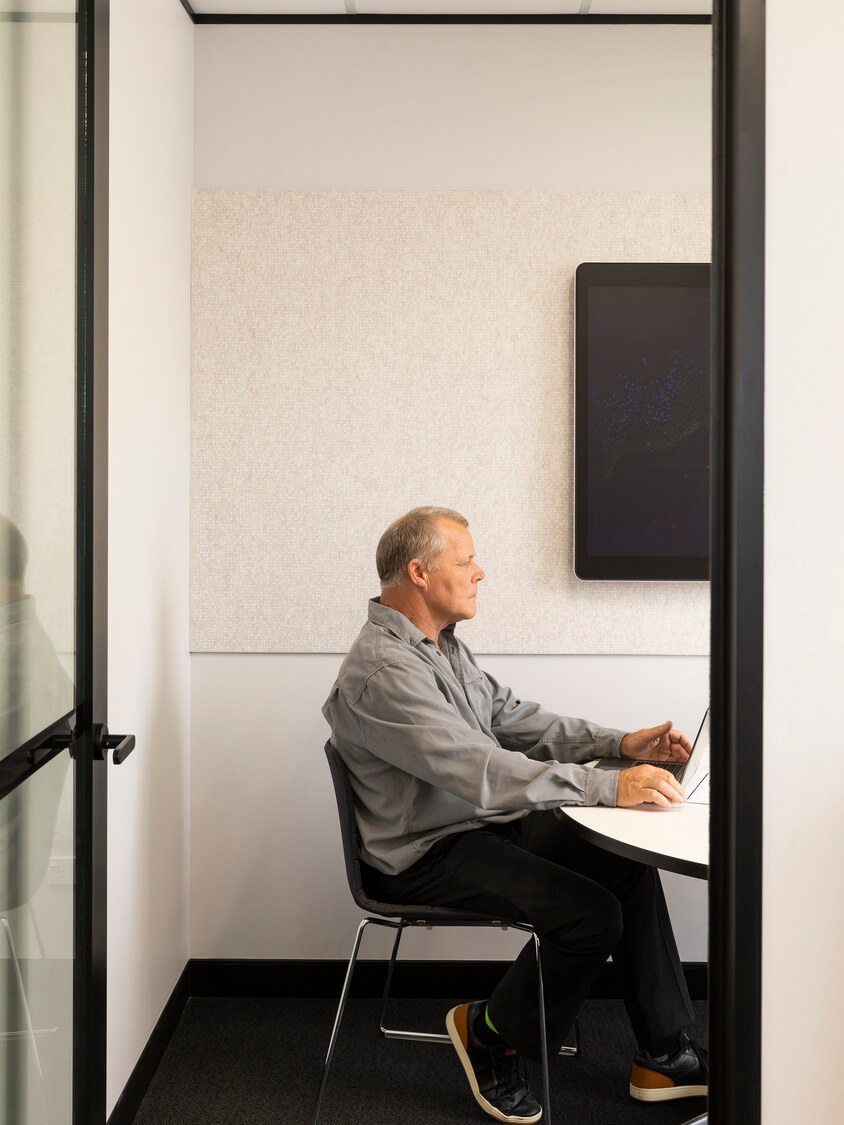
{"type": "Point", "coordinates": [134, 1091]}
{"type": "Point", "coordinates": [412, 979]}
{"type": "Point", "coordinates": [324, 979]}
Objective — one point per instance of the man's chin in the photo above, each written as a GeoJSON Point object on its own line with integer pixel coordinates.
{"type": "Point", "coordinates": [464, 614]}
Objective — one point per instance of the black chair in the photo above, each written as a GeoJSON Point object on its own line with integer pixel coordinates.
{"type": "Point", "coordinates": [409, 915]}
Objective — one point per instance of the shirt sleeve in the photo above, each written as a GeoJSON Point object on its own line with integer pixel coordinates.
{"type": "Point", "coordinates": [404, 719]}
{"type": "Point", "coordinates": [541, 735]}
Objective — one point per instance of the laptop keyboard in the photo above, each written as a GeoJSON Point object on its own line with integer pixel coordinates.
{"type": "Point", "coordinates": [673, 767]}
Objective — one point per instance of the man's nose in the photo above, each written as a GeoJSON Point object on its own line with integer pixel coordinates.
{"type": "Point", "coordinates": [479, 575]}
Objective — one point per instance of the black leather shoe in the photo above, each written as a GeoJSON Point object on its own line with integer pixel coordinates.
{"type": "Point", "coordinates": [497, 1077]}
{"type": "Point", "coordinates": [683, 1075]}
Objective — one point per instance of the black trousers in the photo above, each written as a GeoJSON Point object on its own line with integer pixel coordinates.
{"type": "Point", "coordinates": [585, 904]}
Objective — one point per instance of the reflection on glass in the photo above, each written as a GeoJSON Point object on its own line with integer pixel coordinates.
{"type": "Point", "coordinates": [35, 690]}
{"type": "Point", "coordinates": [36, 948]}
{"type": "Point", "coordinates": [37, 551]}
{"type": "Point", "coordinates": [36, 861]}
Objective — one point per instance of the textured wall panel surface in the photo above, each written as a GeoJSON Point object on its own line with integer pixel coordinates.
{"type": "Point", "coordinates": [356, 353]}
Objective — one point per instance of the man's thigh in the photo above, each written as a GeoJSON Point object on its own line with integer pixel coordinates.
{"type": "Point", "coordinates": [552, 838]}
{"type": "Point", "coordinates": [489, 871]}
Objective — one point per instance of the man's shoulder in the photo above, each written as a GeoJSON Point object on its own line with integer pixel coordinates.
{"type": "Point", "coordinates": [374, 650]}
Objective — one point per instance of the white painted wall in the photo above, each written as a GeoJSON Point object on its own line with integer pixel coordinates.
{"type": "Point", "coordinates": [433, 106]}
{"type": "Point", "coordinates": [803, 972]}
{"type": "Point", "coordinates": [151, 148]}
{"type": "Point", "coordinates": [267, 876]}
{"type": "Point", "coordinates": [412, 107]}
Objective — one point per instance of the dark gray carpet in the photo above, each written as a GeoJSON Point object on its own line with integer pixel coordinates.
{"type": "Point", "coordinates": [258, 1062]}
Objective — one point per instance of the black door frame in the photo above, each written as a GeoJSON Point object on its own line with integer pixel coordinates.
{"type": "Point", "coordinates": [735, 891]}
{"type": "Point", "coordinates": [89, 1047]}
{"type": "Point", "coordinates": [735, 901]}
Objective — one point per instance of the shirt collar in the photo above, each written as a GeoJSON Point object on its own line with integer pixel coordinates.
{"type": "Point", "coordinates": [395, 622]}
{"type": "Point", "coordinates": [401, 626]}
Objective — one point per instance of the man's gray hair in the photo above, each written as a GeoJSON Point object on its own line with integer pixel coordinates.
{"type": "Point", "coordinates": [413, 536]}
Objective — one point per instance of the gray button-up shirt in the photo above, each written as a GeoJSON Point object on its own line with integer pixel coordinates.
{"type": "Point", "coordinates": [434, 745]}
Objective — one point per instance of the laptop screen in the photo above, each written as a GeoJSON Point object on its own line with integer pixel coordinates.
{"type": "Point", "coordinates": [699, 757]}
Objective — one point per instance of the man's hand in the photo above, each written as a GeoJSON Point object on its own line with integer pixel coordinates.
{"type": "Point", "coordinates": [640, 785]}
{"type": "Point", "coordinates": [656, 744]}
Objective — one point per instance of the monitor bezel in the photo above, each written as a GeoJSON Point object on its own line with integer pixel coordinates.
{"type": "Point", "coordinates": [621, 568]}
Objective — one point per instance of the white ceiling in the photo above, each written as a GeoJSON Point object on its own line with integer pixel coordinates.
{"type": "Point", "coordinates": [452, 7]}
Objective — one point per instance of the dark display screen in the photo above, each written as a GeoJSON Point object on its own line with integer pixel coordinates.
{"type": "Point", "coordinates": [643, 406]}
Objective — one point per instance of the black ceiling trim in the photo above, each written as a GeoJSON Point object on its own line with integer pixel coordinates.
{"type": "Point", "coordinates": [189, 10]}
{"type": "Point", "coordinates": [203, 18]}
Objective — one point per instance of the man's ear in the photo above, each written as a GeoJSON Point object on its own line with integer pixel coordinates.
{"type": "Point", "coordinates": [417, 573]}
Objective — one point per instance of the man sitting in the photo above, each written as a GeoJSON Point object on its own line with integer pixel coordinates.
{"type": "Point", "coordinates": [456, 781]}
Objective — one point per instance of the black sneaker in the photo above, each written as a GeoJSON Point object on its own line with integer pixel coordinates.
{"type": "Point", "coordinates": [497, 1078]}
{"type": "Point", "coordinates": [683, 1075]}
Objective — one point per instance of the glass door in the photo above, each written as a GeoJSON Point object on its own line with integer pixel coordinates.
{"type": "Point", "coordinates": [52, 788]}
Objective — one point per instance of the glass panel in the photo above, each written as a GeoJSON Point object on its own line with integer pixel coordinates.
{"type": "Point", "coordinates": [37, 550]}
{"type": "Point", "coordinates": [37, 366]}
{"type": "Point", "coordinates": [36, 948]}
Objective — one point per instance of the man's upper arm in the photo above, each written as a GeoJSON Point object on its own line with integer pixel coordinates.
{"type": "Point", "coordinates": [405, 720]}
{"type": "Point", "coordinates": [527, 726]}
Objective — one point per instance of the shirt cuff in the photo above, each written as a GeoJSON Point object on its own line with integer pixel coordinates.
{"type": "Point", "coordinates": [601, 787]}
{"type": "Point", "coordinates": [608, 745]}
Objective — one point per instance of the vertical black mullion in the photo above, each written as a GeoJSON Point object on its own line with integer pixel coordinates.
{"type": "Point", "coordinates": [735, 926]}
{"type": "Point", "coordinates": [82, 1098]}
{"type": "Point", "coordinates": [89, 1047]}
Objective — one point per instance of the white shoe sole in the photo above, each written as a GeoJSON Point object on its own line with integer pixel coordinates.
{"type": "Point", "coordinates": [487, 1107]}
{"type": "Point", "coordinates": [667, 1093]}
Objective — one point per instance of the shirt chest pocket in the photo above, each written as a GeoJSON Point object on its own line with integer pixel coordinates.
{"type": "Point", "coordinates": [479, 698]}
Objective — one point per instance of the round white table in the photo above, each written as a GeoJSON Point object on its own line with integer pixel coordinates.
{"type": "Point", "coordinates": [672, 839]}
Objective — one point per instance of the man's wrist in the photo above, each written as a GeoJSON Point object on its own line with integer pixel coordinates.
{"type": "Point", "coordinates": [601, 787]}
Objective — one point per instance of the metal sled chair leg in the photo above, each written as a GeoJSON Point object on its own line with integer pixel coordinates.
{"type": "Point", "coordinates": [569, 1050]}
{"type": "Point", "coordinates": [427, 1036]}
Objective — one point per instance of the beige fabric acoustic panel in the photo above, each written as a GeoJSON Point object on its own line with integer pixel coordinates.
{"type": "Point", "coordinates": [357, 353]}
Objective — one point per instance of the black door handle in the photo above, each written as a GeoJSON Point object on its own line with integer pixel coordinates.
{"type": "Point", "coordinates": [121, 744]}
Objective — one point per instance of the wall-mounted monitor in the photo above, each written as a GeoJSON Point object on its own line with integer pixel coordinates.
{"type": "Point", "coordinates": [642, 406]}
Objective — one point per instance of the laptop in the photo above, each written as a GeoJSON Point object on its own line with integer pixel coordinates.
{"type": "Point", "coordinates": [693, 774]}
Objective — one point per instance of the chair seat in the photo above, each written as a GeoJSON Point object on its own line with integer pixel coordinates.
{"type": "Point", "coordinates": [442, 915]}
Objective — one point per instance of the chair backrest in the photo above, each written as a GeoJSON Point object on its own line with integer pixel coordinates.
{"type": "Point", "coordinates": [348, 826]}
{"type": "Point", "coordinates": [351, 855]}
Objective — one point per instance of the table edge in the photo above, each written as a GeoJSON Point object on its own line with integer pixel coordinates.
{"type": "Point", "coordinates": [673, 863]}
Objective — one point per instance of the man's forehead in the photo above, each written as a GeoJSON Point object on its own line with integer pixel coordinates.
{"type": "Point", "coordinates": [457, 537]}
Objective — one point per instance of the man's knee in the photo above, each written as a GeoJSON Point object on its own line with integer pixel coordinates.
{"type": "Point", "coordinates": [607, 922]}
{"type": "Point", "coordinates": [597, 927]}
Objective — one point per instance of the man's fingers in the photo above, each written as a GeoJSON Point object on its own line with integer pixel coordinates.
{"type": "Point", "coordinates": [672, 786]}
{"type": "Point", "coordinates": [672, 781]}
{"type": "Point", "coordinates": [667, 788]}
{"type": "Point", "coordinates": [680, 742]}
{"type": "Point", "coordinates": [654, 797]}
{"type": "Point", "coordinates": [649, 785]}
{"type": "Point", "coordinates": [656, 733]}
